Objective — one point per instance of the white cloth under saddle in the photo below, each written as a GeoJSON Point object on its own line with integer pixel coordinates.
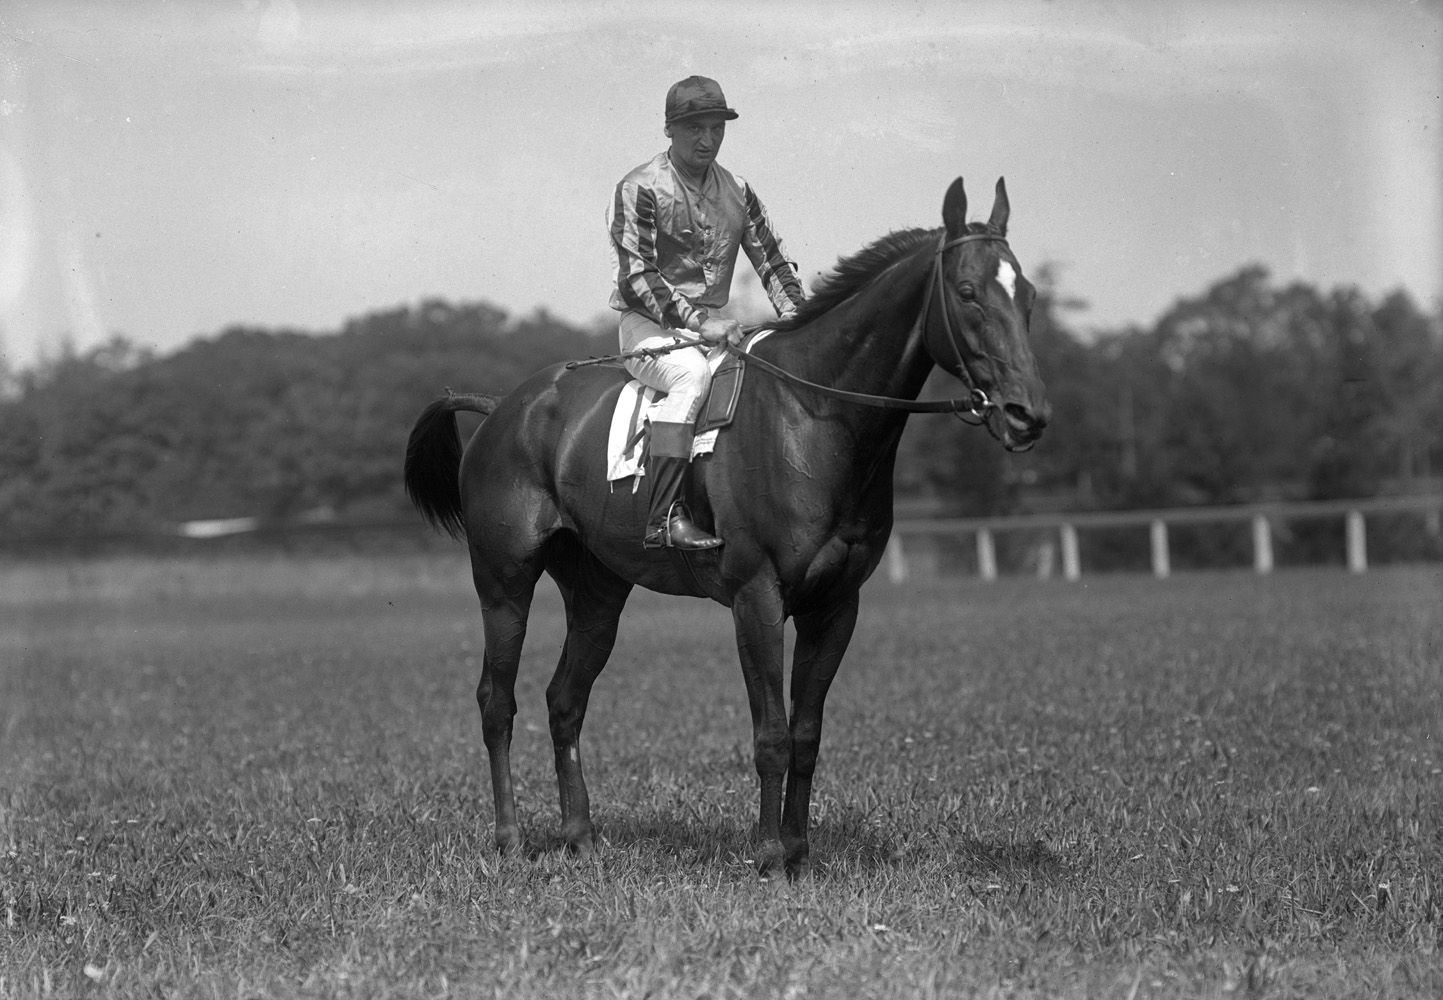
{"type": "Point", "coordinates": [624, 445]}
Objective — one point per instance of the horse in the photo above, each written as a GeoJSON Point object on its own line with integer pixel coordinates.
{"type": "Point", "coordinates": [799, 487]}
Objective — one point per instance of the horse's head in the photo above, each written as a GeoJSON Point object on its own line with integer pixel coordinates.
{"type": "Point", "coordinates": [975, 320]}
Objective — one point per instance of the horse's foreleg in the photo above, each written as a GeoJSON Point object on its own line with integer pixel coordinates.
{"type": "Point", "coordinates": [822, 638]}
{"type": "Point", "coordinates": [593, 613]}
{"type": "Point", "coordinates": [505, 623]}
{"type": "Point", "coordinates": [757, 613]}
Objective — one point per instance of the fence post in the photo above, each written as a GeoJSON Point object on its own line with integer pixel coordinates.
{"type": "Point", "coordinates": [1046, 559]}
{"type": "Point", "coordinates": [1262, 545]}
{"type": "Point", "coordinates": [896, 559]}
{"type": "Point", "coordinates": [1357, 543]}
{"type": "Point", "coordinates": [1160, 563]}
{"type": "Point", "coordinates": [1071, 559]}
{"type": "Point", "coordinates": [986, 555]}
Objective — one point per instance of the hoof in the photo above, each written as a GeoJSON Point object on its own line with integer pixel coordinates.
{"type": "Point", "coordinates": [508, 841]}
{"type": "Point", "coordinates": [771, 862]}
{"type": "Point", "coordinates": [579, 837]}
{"type": "Point", "coordinates": [799, 869]}
{"type": "Point", "coordinates": [581, 847]}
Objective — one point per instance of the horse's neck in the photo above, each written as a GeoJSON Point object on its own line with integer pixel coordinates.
{"type": "Point", "coordinates": [865, 344]}
{"type": "Point", "coordinates": [868, 343]}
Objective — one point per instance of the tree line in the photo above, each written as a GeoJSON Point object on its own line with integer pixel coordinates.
{"type": "Point", "coordinates": [1250, 390]}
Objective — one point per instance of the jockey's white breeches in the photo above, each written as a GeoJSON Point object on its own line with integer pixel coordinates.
{"type": "Point", "coordinates": [682, 374]}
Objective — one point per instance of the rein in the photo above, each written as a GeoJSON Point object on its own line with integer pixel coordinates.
{"type": "Point", "coordinates": [974, 405]}
{"type": "Point", "coordinates": [968, 405]}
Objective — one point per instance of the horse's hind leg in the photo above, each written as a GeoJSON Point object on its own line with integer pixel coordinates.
{"type": "Point", "coordinates": [822, 638]}
{"type": "Point", "coordinates": [504, 611]}
{"type": "Point", "coordinates": [594, 597]}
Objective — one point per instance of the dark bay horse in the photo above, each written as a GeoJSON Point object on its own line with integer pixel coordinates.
{"type": "Point", "coordinates": [799, 487]}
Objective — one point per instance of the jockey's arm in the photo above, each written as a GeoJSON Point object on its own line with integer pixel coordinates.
{"type": "Point", "coordinates": [778, 273]}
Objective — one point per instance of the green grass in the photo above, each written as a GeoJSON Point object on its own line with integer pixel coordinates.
{"type": "Point", "coordinates": [260, 779]}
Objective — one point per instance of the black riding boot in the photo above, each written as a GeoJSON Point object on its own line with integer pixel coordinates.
{"type": "Point", "coordinates": [670, 525]}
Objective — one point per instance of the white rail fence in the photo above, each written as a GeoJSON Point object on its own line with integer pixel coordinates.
{"type": "Point", "coordinates": [1066, 527]}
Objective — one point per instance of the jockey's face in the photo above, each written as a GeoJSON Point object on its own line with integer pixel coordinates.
{"type": "Point", "coordinates": [695, 141]}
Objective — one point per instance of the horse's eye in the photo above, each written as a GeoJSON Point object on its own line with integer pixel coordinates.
{"type": "Point", "coordinates": [967, 291]}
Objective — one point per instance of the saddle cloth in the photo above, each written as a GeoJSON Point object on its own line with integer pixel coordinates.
{"type": "Point", "coordinates": [626, 443]}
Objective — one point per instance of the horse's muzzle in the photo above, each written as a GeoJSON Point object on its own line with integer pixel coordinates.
{"type": "Point", "coordinates": [1021, 427]}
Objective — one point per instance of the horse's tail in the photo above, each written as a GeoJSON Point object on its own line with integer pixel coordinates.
{"type": "Point", "coordinates": [433, 460]}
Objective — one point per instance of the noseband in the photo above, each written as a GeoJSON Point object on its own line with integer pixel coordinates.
{"type": "Point", "coordinates": [980, 404]}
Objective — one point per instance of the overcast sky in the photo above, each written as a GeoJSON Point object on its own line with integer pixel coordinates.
{"type": "Point", "coordinates": [170, 169]}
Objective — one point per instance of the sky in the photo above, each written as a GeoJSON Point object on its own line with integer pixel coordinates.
{"type": "Point", "coordinates": [171, 169]}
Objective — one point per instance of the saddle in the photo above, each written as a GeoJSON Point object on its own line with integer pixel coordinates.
{"type": "Point", "coordinates": [626, 444]}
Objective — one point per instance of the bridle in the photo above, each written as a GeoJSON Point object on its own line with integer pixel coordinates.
{"type": "Point", "coordinates": [971, 409]}
{"type": "Point", "coordinates": [978, 403]}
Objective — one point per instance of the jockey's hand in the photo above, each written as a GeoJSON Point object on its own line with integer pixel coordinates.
{"type": "Point", "coordinates": [716, 329]}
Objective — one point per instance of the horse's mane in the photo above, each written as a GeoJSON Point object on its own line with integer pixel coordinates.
{"type": "Point", "coordinates": [854, 273]}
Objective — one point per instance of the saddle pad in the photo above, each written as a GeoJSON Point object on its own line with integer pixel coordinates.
{"type": "Point", "coordinates": [626, 442]}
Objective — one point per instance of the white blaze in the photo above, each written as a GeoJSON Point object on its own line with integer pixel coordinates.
{"type": "Point", "coordinates": [1007, 278]}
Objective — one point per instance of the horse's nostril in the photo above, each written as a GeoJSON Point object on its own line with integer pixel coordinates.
{"type": "Point", "coordinates": [1020, 417]}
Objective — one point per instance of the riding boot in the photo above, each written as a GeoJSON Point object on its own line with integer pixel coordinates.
{"type": "Point", "coordinates": [669, 524]}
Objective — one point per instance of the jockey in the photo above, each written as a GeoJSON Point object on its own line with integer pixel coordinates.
{"type": "Point", "coordinates": [676, 223]}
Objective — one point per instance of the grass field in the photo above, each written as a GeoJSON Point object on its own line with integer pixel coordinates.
{"type": "Point", "coordinates": [261, 778]}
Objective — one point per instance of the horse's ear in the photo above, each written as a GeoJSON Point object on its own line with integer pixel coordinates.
{"type": "Point", "coordinates": [954, 209]}
{"type": "Point", "coordinates": [1000, 209]}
